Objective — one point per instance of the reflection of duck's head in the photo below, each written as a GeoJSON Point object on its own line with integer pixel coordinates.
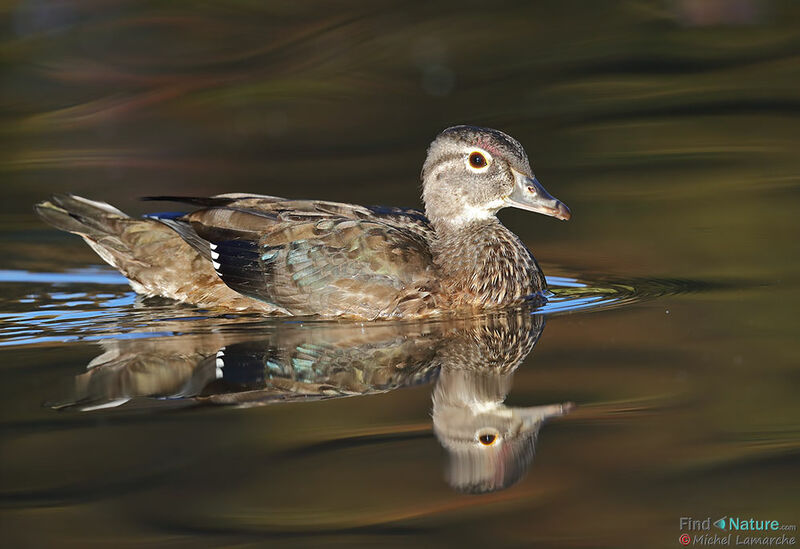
{"type": "Point", "coordinates": [490, 445]}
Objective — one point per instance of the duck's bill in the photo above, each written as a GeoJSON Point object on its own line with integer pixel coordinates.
{"type": "Point", "coordinates": [528, 194]}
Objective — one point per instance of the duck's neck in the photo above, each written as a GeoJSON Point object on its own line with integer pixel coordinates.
{"type": "Point", "coordinates": [483, 264]}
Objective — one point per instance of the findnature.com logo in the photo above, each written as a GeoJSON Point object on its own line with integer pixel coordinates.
{"type": "Point", "coordinates": [742, 531]}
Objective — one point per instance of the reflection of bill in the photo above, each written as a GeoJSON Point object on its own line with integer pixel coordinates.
{"type": "Point", "coordinates": [490, 445]}
{"type": "Point", "coordinates": [685, 539]}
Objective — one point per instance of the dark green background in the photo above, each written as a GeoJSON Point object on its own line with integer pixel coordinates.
{"type": "Point", "coordinates": [671, 130]}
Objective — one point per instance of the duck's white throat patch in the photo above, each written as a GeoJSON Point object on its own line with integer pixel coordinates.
{"type": "Point", "coordinates": [477, 213]}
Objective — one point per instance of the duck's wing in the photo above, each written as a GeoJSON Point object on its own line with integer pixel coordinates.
{"type": "Point", "coordinates": [409, 219]}
{"type": "Point", "coordinates": [311, 257]}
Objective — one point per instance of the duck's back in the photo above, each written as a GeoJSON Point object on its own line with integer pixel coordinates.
{"type": "Point", "coordinates": [321, 258]}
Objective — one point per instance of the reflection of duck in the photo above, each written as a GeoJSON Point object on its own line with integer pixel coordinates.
{"type": "Point", "coordinates": [490, 445]}
{"type": "Point", "coordinates": [303, 257]}
{"type": "Point", "coordinates": [286, 362]}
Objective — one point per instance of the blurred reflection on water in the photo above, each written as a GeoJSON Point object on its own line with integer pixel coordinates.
{"type": "Point", "coordinates": [669, 127]}
{"type": "Point", "coordinates": [471, 360]}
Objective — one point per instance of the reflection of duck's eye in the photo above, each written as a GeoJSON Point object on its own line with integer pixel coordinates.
{"type": "Point", "coordinates": [477, 160]}
{"type": "Point", "coordinates": [487, 439]}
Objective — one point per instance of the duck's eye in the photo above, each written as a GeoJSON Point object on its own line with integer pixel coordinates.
{"type": "Point", "coordinates": [487, 439]}
{"type": "Point", "coordinates": [477, 160]}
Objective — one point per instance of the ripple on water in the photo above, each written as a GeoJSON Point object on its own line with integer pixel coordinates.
{"type": "Point", "coordinates": [97, 303]}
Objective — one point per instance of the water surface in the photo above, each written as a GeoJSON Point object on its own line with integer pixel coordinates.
{"type": "Point", "coordinates": [664, 378]}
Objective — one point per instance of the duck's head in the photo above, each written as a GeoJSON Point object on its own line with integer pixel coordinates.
{"type": "Point", "coordinates": [470, 173]}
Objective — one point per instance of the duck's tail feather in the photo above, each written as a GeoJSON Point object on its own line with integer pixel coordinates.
{"type": "Point", "coordinates": [79, 215]}
{"type": "Point", "coordinates": [105, 225]}
{"type": "Point", "coordinates": [102, 226]}
{"type": "Point", "coordinates": [159, 255]}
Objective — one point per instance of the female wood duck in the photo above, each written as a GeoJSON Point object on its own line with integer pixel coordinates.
{"type": "Point", "coordinates": [308, 257]}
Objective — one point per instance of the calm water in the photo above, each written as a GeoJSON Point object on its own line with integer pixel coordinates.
{"type": "Point", "coordinates": [665, 375]}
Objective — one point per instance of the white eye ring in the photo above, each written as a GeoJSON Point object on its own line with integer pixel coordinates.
{"type": "Point", "coordinates": [478, 160]}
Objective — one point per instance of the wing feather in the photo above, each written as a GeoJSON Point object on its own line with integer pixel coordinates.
{"type": "Point", "coordinates": [315, 262]}
{"type": "Point", "coordinates": [316, 257]}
